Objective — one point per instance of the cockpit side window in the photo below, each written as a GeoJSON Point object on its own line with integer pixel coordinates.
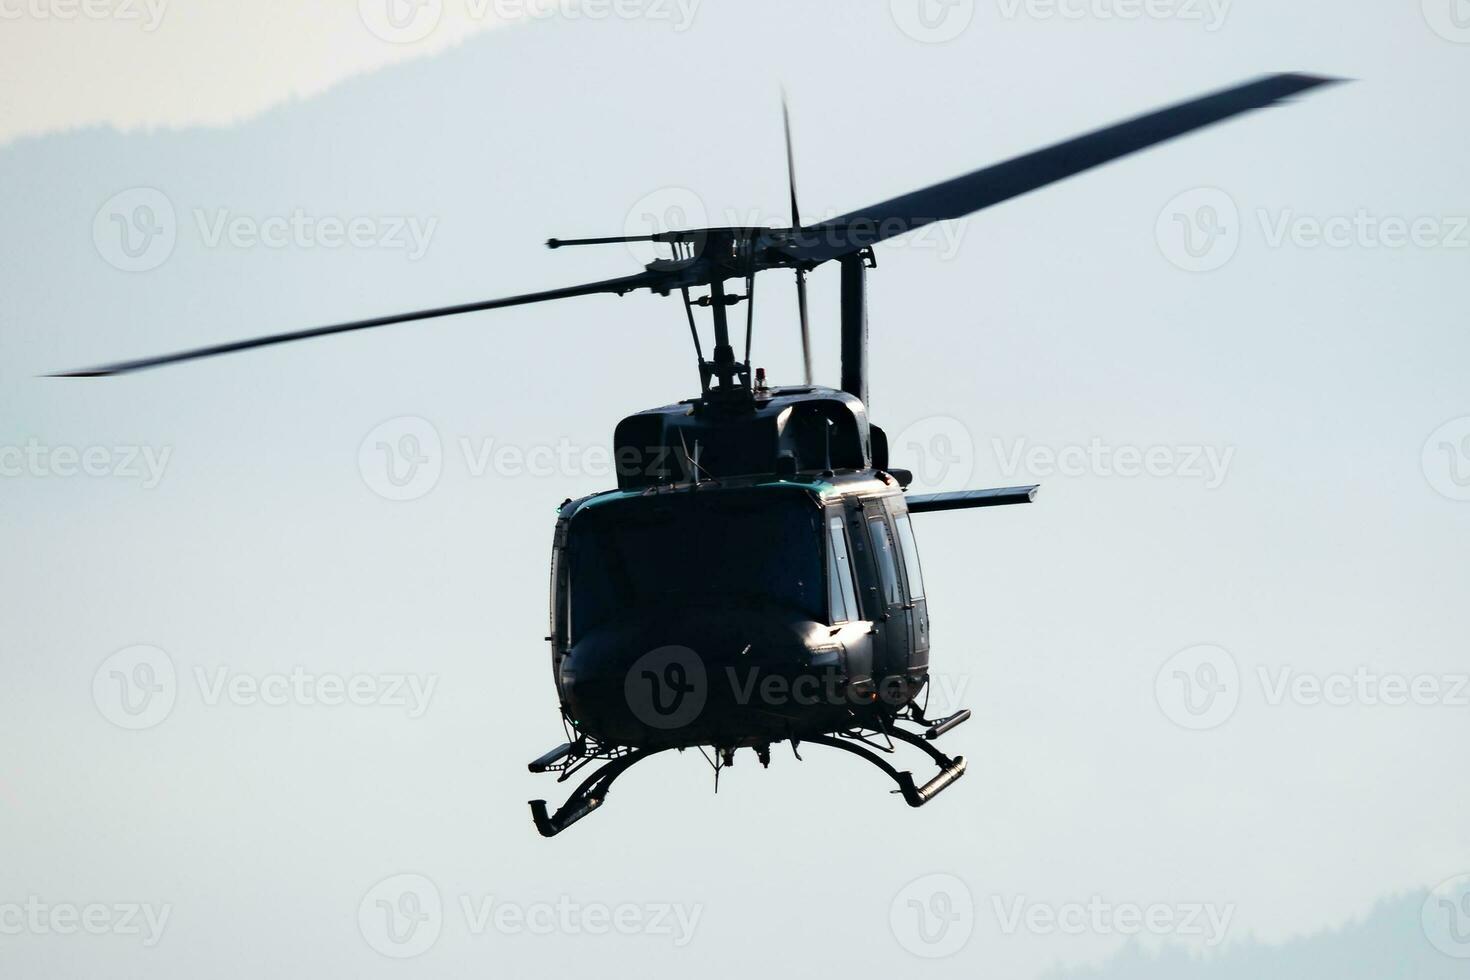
{"type": "Point", "coordinates": [558, 597]}
{"type": "Point", "coordinates": [910, 556]}
{"type": "Point", "coordinates": [887, 564]}
{"type": "Point", "coordinates": [841, 594]}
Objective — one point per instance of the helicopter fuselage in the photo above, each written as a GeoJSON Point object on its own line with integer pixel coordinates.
{"type": "Point", "coordinates": [737, 612]}
{"type": "Point", "coordinates": [754, 577]}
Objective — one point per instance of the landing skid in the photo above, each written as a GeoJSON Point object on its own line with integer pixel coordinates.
{"type": "Point", "coordinates": [592, 793]}
{"type": "Point", "coordinates": [914, 795]}
{"type": "Point", "coordinates": [587, 797]}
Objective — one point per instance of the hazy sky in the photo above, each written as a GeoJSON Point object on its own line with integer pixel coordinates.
{"type": "Point", "coordinates": [150, 63]}
{"type": "Point", "coordinates": [1218, 676]}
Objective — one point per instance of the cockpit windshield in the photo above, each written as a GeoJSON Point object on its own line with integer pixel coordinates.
{"type": "Point", "coordinates": [717, 548]}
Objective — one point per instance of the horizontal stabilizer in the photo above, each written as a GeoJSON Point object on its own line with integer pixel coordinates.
{"type": "Point", "coordinates": [970, 499]}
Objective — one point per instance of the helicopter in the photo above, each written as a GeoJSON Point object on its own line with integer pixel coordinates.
{"type": "Point", "coordinates": [754, 579]}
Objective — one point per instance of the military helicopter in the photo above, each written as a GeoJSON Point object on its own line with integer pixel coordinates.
{"type": "Point", "coordinates": [754, 578]}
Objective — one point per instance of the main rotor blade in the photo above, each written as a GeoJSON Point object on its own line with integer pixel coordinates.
{"type": "Point", "coordinates": [973, 192]}
{"type": "Point", "coordinates": [790, 162]}
{"type": "Point", "coordinates": [619, 286]}
{"type": "Point", "coordinates": [801, 298]}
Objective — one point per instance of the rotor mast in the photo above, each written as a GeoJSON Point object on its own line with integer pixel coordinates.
{"type": "Point", "coordinates": [724, 366]}
{"type": "Point", "coordinates": [855, 322]}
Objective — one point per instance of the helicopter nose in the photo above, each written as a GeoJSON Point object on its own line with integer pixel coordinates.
{"type": "Point", "coordinates": [706, 678]}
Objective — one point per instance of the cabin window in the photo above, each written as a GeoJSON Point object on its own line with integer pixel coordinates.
{"type": "Point", "coordinates": [558, 598]}
{"type": "Point", "coordinates": [887, 567]}
{"type": "Point", "coordinates": [841, 594]}
{"type": "Point", "coordinates": [910, 557]}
